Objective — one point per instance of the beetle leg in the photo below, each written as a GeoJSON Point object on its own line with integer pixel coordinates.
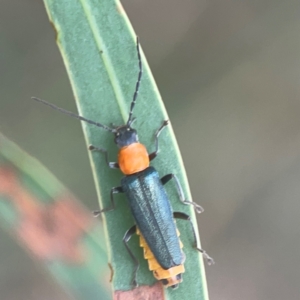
{"type": "Point", "coordinates": [114, 190]}
{"type": "Point", "coordinates": [167, 178]}
{"type": "Point", "coordinates": [129, 233]}
{"type": "Point", "coordinates": [183, 216]}
{"type": "Point", "coordinates": [159, 130]}
{"type": "Point", "coordinates": [112, 165]}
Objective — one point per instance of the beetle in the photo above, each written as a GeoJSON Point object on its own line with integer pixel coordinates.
{"type": "Point", "coordinates": [147, 198]}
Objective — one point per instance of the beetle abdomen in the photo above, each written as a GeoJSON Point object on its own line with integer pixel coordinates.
{"type": "Point", "coordinates": [170, 277]}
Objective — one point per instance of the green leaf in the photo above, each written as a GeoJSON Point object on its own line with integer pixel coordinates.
{"type": "Point", "coordinates": [51, 225]}
{"type": "Point", "coordinates": [98, 46]}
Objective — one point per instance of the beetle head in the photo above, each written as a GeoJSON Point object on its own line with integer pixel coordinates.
{"type": "Point", "coordinates": [125, 135]}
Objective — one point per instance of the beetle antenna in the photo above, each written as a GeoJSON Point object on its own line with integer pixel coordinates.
{"type": "Point", "coordinates": [74, 115]}
{"type": "Point", "coordinates": [137, 83]}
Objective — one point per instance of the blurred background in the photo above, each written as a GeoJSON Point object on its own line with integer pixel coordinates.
{"type": "Point", "coordinates": [229, 73]}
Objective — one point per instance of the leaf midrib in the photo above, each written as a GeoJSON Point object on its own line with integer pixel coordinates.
{"type": "Point", "coordinates": [119, 95]}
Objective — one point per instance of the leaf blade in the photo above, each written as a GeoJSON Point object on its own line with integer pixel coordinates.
{"type": "Point", "coordinates": [98, 47]}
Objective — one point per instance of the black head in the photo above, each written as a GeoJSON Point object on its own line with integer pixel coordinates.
{"type": "Point", "coordinates": [125, 135]}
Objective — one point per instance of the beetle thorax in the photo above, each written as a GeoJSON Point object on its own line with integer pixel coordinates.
{"type": "Point", "coordinates": [133, 158]}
